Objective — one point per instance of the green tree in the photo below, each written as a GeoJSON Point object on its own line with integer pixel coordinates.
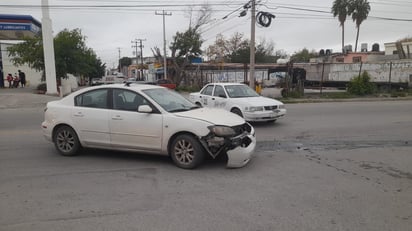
{"type": "Point", "coordinates": [187, 45]}
{"type": "Point", "coordinates": [125, 61]}
{"type": "Point", "coordinates": [184, 47]}
{"type": "Point", "coordinates": [29, 52]}
{"type": "Point", "coordinates": [71, 54]}
{"type": "Point", "coordinates": [95, 66]}
{"type": "Point", "coordinates": [303, 56]}
{"type": "Point", "coordinates": [359, 9]}
{"type": "Point", "coordinates": [340, 8]}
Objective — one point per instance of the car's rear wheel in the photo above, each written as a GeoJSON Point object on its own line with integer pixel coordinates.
{"type": "Point", "coordinates": [237, 112]}
{"type": "Point", "coordinates": [186, 152]}
{"type": "Point", "coordinates": [66, 141]}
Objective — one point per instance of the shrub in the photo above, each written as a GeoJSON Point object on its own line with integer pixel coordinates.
{"type": "Point", "coordinates": [361, 85]}
{"type": "Point", "coordinates": [42, 87]}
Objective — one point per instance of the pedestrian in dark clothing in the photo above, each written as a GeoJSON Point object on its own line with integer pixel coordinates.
{"type": "Point", "coordinates": [22, 78]}
{"type": "Point", "coordinates": [2, 78]}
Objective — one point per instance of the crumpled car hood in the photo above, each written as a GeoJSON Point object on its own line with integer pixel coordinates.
{"type": "Point", "coordinates": [214, 116]}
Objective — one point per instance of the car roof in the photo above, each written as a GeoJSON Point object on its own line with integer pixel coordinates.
{"type": "Point", "coordinates": [227, 84]}
{"type": "Point", "coordinates": [134, 86]}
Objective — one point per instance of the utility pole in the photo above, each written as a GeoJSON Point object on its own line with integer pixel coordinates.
{"type": "Point", "coordinates": [48, 48]}
{"type": "Point", "coordinates": [164, 42]}
{"type": "Point", "coordinates": [252, 46]}
{"type": "Point", "coordinates": [135, 46]}
{"type": "Point", "coordinates": [141, 54]}
{"type": "Point", "coordinates": [120, 63]}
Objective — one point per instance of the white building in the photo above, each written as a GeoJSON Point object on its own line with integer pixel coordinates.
{"type": "Point", "coordinates": [392, 49]}
{"type": "Point", "coordinates": [33, 77]}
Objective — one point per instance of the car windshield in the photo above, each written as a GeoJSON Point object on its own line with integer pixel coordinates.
{"type": "Point", "coordinates": [240, 91]}
{"type": "Point", "coordinates": [170, 100]}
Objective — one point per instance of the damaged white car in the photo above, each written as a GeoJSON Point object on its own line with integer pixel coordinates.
{"type": "Point", "coordinates": [147, 119]}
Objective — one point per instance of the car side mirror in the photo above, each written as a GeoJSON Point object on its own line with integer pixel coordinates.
{"type": "Point", "coordinates": [144, 109]}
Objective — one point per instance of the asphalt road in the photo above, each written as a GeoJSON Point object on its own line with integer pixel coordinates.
{"type": "Point", "coordinates": [325, 166]}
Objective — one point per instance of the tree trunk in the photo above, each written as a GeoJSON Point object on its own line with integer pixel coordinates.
{"type": "Point", "coordinates": [343, 37]}
{"type": "Point", "coordinates": [357, 37]}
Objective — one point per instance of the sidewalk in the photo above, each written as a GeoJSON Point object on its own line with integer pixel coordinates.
{"type": "Point", "coordinates": [23, 97]}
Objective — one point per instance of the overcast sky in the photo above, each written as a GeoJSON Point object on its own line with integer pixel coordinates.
{"type": "Point", "coordinates": [109, 24]}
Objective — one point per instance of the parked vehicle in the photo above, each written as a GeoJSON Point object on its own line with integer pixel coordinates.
{"type": "Point", "coordinates": [166, 83]}
{"type": "Point", "coordinates": [109, 79]}
{"type": "Point", "coordinates": [96, 81]}
{"type": "Point", "coordinates": [239, 99]}
{"type": "Point", "coordinates": [161, 82]}
{"type": "Point", "coordinates": [149, 119]}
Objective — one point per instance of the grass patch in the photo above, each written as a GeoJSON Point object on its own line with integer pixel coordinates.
{"type": "Point", "coordinates": [337, 95]}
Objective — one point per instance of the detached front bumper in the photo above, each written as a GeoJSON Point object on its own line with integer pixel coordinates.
{"type": "Point", "coordinates": [241, 155]}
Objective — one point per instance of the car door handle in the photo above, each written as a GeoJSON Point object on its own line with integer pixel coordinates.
{"type": "Point", "coordinates": [79, 114]}
{"type": "Point", "coordinates": [213, 98]}
{"type": "Point", "coordinates": [117, 117]}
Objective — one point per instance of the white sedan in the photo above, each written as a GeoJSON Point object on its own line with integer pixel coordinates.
{"type": "Point", "coordinates": [147, 119]}
{"type": "Point", "coordinates": [241, 100]}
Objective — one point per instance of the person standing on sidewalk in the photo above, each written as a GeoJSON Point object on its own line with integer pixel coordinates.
{"type": "Point", "coordinates": [22, 78]}
{"type": "Point", "coordinates": [9, 79]}
{"type": "Point", "coordinates": [16, 80]}
{"type": "Point", "coordinates": [2, 78]}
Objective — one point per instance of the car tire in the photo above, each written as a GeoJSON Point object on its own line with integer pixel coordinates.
{"type": "Point", "coordinates": [66, 141]}
{"type": "Point", "coordinates": [237, 112]}
{"type": "Point", "coordinates": [186, 152]}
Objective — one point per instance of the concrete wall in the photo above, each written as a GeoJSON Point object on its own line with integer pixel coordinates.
{"type": "Point", "coordinates": [33, 77]}
{"type": "Point", "coordinates": [379, 71]}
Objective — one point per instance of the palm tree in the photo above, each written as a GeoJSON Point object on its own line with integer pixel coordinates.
{"type": "Point", "coordinates": [359, 9]}
{"type": "Point", "coordinates": [340, 8]}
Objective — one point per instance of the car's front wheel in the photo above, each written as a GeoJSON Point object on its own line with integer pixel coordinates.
{"type": "Point", "coordinates": [66, 141]}
{"type": "Point", "coordinates": [186, 152]}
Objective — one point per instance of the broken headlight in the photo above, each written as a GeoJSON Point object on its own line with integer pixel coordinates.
{"type": "Point", "coordinates": [223, 131]}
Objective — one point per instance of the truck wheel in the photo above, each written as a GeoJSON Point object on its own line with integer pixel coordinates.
{"type": "Point", "coordinates": [186, 152]}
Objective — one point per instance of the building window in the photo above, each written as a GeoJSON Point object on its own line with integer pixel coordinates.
{"type": "Point", "coordinates": [395, 52]}
{"type": "Point", "coordinates": [357, 59]}
{"type": "Point", "coordinates": [340, 60]}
